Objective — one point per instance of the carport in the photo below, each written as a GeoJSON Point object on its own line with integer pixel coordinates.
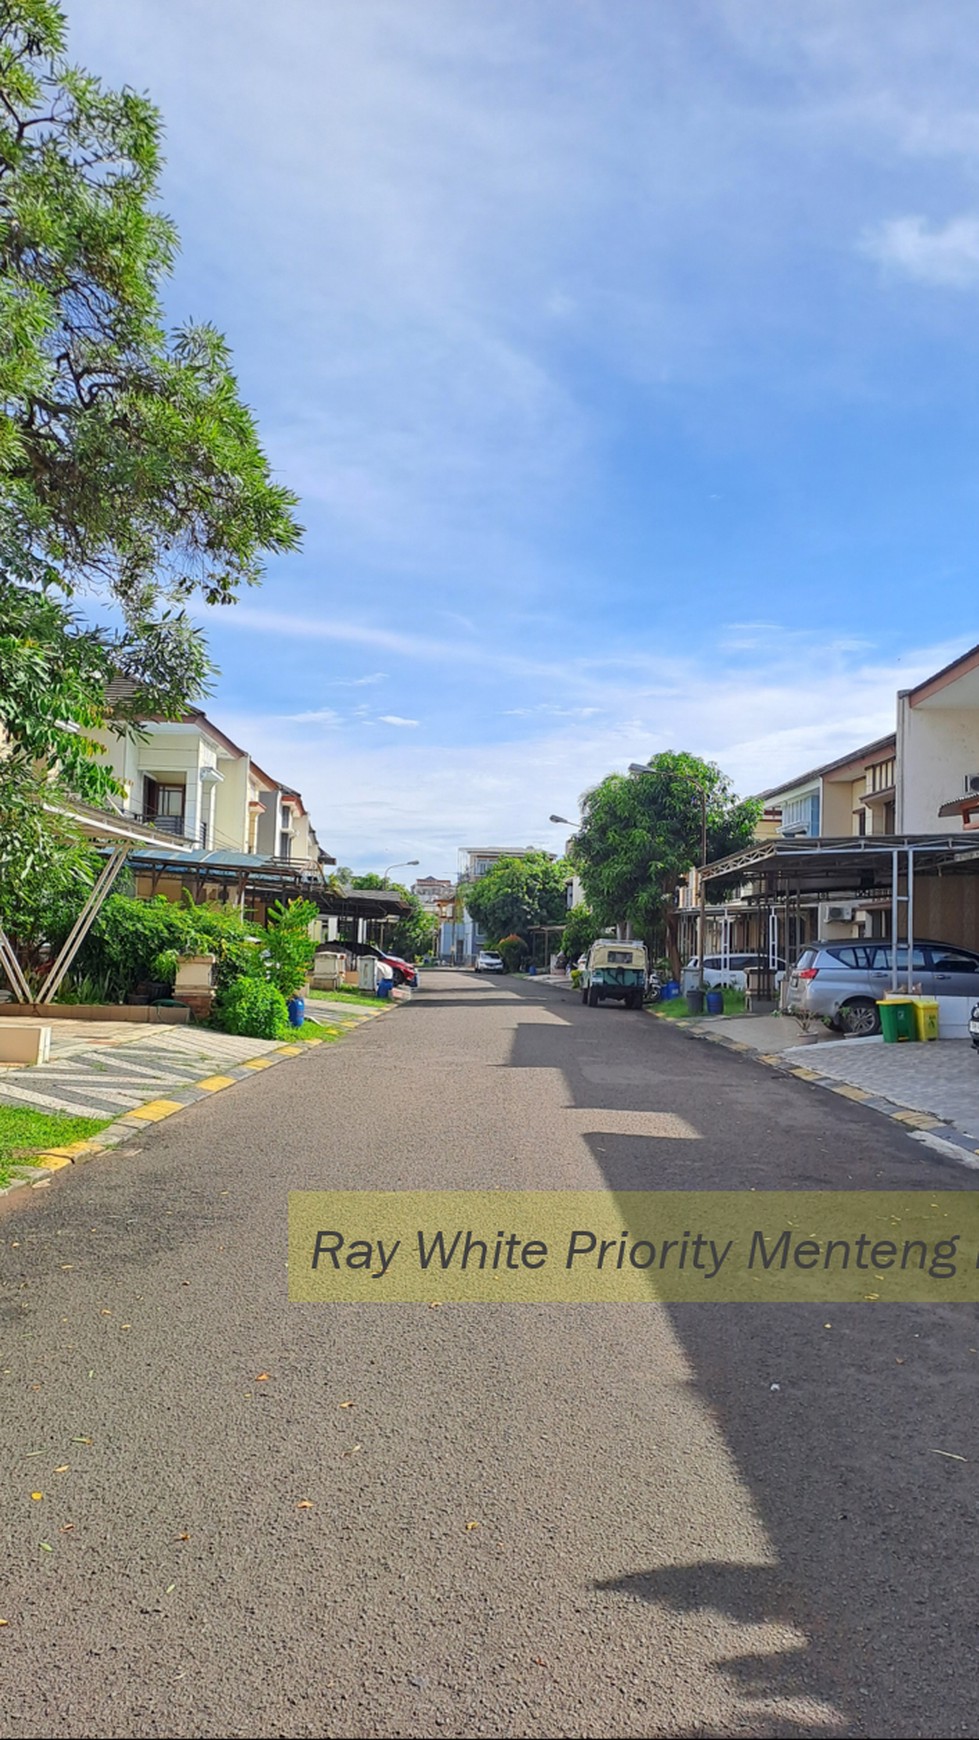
{"type": "Point", "coordinates": [782, 879]}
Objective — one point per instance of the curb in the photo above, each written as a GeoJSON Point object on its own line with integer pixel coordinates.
{"type": "Point", "coordinates": [122, 1129]}
{"type": "Point", "coordinates": [943, 1142]}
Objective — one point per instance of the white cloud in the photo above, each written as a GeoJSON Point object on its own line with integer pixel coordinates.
{"type": "Point", "coordinates": [395, 719]}
{"type": "Point", "coordinates": [316, 716]}
{"type": "Point", "coordinates": [788, 709]}
{"type": "Point", "coordinates": [361, 682]}
{"type": "Point", "coordinates": [946, 254]}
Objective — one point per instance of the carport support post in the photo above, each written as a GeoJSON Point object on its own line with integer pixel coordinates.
{"type": "Point", "coordinates": [894, 900]}
{"type": "Point", "coordinates": [83, 924]}
{"type": "Point", "coordinates": [910, 917]}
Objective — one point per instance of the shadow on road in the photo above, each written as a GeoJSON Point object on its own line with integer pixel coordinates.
{"type": "Point", "coordinates": [844, 1422]}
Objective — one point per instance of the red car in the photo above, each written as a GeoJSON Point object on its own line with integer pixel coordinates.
{"type": "Point", "coordinates": [404, 972]}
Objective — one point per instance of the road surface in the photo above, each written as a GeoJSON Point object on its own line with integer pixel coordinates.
{"type": "Point", "coordinates": [665, 1544]}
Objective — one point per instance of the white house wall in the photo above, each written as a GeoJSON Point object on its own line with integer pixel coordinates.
{"type": "Point", "coordinates": [937, 747]}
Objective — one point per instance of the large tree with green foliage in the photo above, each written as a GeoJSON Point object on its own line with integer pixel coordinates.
{"type": "Point", "coordinates": [517, 894]}
{"type": "Point", "coordinates": [641, 832]}
{"type": "Point", "coordinates": [131, 474]}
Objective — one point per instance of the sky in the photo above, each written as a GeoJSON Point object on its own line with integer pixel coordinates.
{"type": "Point", "coordinates": [624, 357]}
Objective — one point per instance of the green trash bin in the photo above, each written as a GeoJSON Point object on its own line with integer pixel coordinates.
{"type": "Point", "coordinates": [897, 1019]}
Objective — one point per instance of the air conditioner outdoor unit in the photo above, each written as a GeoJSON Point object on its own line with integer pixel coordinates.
{"type": "Point", "coordinates": [971, 783]}
{"type": "Point", "coordinates": [831, 913]}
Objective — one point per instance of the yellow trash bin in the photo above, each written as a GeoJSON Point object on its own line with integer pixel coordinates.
{"type": "Point", "coordinates": [926, 1017]}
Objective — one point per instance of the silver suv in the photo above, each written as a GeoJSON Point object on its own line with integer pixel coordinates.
{"type": "Point", "coordinates": [843, 981]}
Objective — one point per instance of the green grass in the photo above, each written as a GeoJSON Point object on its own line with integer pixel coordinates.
{"type": "Point", "coordinates": [347, 995]}
{"type": "Point", "coordinates": [25, 1133]}
{"type": "Point", "coordinates": [316, 1030]}
{"type": "Point", "coordinates": [675, 1008]}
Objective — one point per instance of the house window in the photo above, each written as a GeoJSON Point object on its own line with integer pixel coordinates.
{"type": "Point", "coordinates": [285, 845]}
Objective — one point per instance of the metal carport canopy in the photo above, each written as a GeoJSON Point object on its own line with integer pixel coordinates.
{"type": "Point", "coordinates": [812, 864]}
{"type": "Point", "coordinates": [858, 864]}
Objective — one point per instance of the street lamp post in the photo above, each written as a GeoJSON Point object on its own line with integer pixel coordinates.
{"type": "Point", "coordinates": [406, 864]}
{"type": "Point", "coordinates": [665, 773]}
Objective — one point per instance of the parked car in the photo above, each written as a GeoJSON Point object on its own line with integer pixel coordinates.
{"type": "Point", "coordinates": [488, 961]}
{"type": "Point", "coordinates": [615, 971]}
{"type": "Point", "coordinates": [842, 982]}
{"type": "Point", "coordinates": [731, 970]}
{"type": "Point", "coordinates": [405, 972]}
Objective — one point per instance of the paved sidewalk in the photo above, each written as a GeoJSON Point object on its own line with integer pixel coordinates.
{"type": "Point", "coordinates": [103, 1069]}
{"type": "Point", "coordinates": [940, 1078]}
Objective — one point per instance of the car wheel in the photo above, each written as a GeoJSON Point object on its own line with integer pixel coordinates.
{"type": "Point", "coordinates": [860, 1018]}
{"type": "Point", "coordinates": [593, 996]}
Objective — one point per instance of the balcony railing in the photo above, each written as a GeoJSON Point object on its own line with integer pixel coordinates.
{"type": "Point", "coordinates": [169, 825]}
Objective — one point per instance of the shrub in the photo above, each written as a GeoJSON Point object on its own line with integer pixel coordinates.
{"type": "Point", "coordinates": [290, 947]}
{"type": "Point", "coordinates": [253, 1008]}
{"type": "Point", "coordinates": [513, 950]}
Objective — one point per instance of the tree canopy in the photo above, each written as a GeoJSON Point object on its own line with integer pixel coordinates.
{"type": "Point", "coordinates": [518, 893]}
{"type": "Point", "coordinates": [132, 478]}
{"type": "Point", "coordinates": [641, 832]}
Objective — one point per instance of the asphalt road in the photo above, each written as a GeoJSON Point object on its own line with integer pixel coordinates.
{"type": "Point", "coordinates": [666, 1545]}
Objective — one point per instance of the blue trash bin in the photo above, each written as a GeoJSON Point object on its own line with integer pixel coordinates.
{"type": "Point", "coordinates": [384, 987]}
{"type": "Point", "coordinates": [297, 1011]}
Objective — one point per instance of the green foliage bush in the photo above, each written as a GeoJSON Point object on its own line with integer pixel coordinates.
{"type": "Point", "coordinates": [580, 932]}
{"type": "Point", "coordinates": [253, 1008]}
{"type": "Point", "coordinates": [289, 945]}
{"type": "Point", "coordinates": [132, 939]}
{"type": "Point", "coordinates": [514, 951]}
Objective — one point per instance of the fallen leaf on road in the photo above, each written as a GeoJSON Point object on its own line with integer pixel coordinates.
{"type": "Point", "coordinates": [37, 1495]}
{"type": "Point", "coordinates": [262, 1378]}
{"type": "Point", "coordinates": [183, 1537]}
{"type": "Point", "coordinates": [538, 1661]}
{"type": "Point", "coordinates": [353, 1452]}
{"type": "Point", "coordinates": [899, 1362]}
{"type": "Point", "coordinates": [950, 1454]}
{"type": "Point", "coordinates": [169, 1588]}
{"type": "Point", "coordinates": [435, 1305]}
{"type": "Point", "coordinates": [81, 1440]}
{"type": "Point", "coordinates": [346, 1404]}
{"type": "Point", "coordinates": [305, 1504]}
{"type": "Point", "coordinates": [4, 1621]}
{"type": "Point", "coordinates": [470, 1526]}
{"type": "Point", "coordinates": [46, 1547]}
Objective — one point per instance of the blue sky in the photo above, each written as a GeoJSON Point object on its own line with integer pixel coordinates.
{"type": "Point", "coordinates": [624, 357]}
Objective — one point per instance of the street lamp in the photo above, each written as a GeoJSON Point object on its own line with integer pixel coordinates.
{"type": "Point", "coordinates": [677, 773]}
{"type": "Point", "coordinates": [563, 819]}
{"type": "Point", "coordinates": [406, 864]}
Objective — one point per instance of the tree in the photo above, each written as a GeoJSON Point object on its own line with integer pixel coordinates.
{"type": "Point", "coordinates": [580, 932]}
{"type": "Point", "coordinates": [517, 894]}
{"type": "Point", "coordinates": [131, 474]}
{"type": "Point", "coordinates": [641, 832]}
